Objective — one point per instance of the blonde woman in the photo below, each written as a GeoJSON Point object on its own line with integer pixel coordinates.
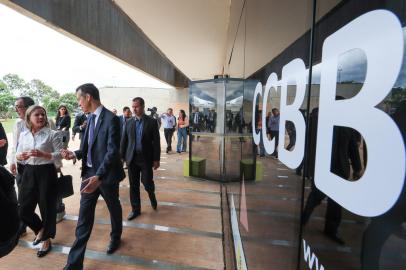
{"type": "Point", "coordinates": [39, 147]}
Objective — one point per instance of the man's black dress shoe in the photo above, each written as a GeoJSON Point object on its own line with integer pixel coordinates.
{"type": "Point", "coordinates": [152, 198]}
{"type": "Point", "coordinates": [113, 246]}
{"type": "Point", "coordinates": [133, 215]}
{"type": "Point", "coordinates": [73, 267]}
{"type": "Point", "coordinates": [43, 252]}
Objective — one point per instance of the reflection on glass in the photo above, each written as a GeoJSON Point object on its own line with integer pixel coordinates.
{"type": "Point", "coordinates": [338, 238]}
{"type": "Point", "coordinates": [221, 142]}
{"type": "Point", "coordinates": [206, 100]}
{"type": "Point", "coordinates": [234, 107]}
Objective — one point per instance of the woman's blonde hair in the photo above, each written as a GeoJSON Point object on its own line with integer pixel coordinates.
{"type": "Point", "coordinates": [28, 113]}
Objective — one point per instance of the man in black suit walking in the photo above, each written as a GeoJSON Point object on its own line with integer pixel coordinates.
{"type": "Point", "coordinates": [197, 120]}
{"type": "Point", "coordinates": [344, 149]}
{"type": "Point", "coordinates": [102, 171]}
{"type": "Point", "coordinates": [124, 118]}
{"type": "Point", "coordinates": [140, 148]}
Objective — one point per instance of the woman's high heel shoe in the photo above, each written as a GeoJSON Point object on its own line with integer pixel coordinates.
{"type": "Point", "coordinates": [38, 238]}
{"type": "Point", "coordinates": [36, 241]}
{"type": "Point", "coordinates": [43, 252]}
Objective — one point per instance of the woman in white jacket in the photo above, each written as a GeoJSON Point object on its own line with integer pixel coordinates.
{"type": "Point", "coordinates": [39, 147]}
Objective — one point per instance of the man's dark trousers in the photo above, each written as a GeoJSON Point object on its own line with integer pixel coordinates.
{"type": "Point", "coordinates": [333, 212]}
{"type": "Point", "coordinates": [168, 132]}
{"type": "Point", "coordinates": [138, 170]}
{"type": "Point", "coordinates": [275, 134]}
{"type": "Point", "coordinates": [88, 201]}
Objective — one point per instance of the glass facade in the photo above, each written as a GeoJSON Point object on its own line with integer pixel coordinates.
{"type": "Point", "coordinates": [220, 137]}
{"type": "Point", "coordinates": [318, 106]}
{"type": "Point", "coordinates": [376, 240]}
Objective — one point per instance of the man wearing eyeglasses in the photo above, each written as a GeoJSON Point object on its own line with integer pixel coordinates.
{"type": "Point", "coordinates": [21, 106]}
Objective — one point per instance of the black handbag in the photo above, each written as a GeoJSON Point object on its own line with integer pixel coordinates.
{"type": "Point", "coordinates": [65, 186]}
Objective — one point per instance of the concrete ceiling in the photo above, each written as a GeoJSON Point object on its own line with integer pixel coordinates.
{"type": "Point", "coordinates": [191, 33]}
{"type": "Point", "coordinates": [198, 36]}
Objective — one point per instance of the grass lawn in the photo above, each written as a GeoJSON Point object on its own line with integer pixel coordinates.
{"type": "Point", "coordinates": [8, 125]}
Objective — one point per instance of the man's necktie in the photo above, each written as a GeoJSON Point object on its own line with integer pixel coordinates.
{"type": "Point", "coordinates": [90, 139]}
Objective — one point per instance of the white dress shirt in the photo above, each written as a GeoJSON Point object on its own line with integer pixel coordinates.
{"type": "Point", "coordinates": [45, 140]}
{"type": "Point", "coordinates": [168, 120]}
{"type": "Point", "coordinates": [97, 112]}
{"type": "Point", "coordinates": [18, 128]}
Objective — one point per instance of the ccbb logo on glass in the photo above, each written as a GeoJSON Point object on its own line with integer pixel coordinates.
{"type": "Point", "coordinates": [379, 35]}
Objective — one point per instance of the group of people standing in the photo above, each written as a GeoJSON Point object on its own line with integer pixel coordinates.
{"type": "Point", "coordinates": [203, 121]}
{"type": "Point", "coordinates": [170, 124]}
{"type": "Point", "coordinates": [106, 141]}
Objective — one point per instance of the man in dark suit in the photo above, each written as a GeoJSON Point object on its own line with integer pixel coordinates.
{"type": "Point", "coordinates": [9, 230]}
{"type": "Point", "coordinates": [3, 146]}
{"type": "Point", "coordinates": [140, 148]}
{"type": "Point", "coordinates": [211, 120]}
{"type": "Point", "coordinates": [102, 171]}
{"type": "Point", "coordinates": [345, 148]}
{"type": "Point", "coordinates": [196, 120]}
{"type": "Point", "coordinates": [124, 118]}
{"type": "Point", "coordinates": [79, 126]}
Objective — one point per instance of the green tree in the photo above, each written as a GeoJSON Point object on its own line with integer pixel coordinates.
{"type": "Point", "coordinates": [51, 105]}
{"type": "Point", "coordinates": [15, 84]}
{"type": "Point", "coordinates": [39, 91]}
{"type": "Point", "coordinates": [396, 97]}
{"type": "Point", "coordinates": [70, 101]}
{"type": "Point", "coordinates": [6, 104]}
{"type": "Point", "coordinates": [3, 86]}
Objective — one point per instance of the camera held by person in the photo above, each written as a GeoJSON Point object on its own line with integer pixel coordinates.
{"type": "Point", "coordinates": [155, 115]}
{"type": "Point", "coordinates": [153, 110]}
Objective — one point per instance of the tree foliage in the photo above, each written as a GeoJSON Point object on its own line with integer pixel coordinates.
{"type": "Point", "coordinates": [52, 104]}
{"type": "Point", "coordinates": [39, 91]}
{"type": "Point", "coordinates": [6, 104]}
{"type": "Point", "coordinates": [3, 87]}
{"type": "Point", "coordinates": [70, 101]}
{"type": "Point", "coordinates": [13, 85]}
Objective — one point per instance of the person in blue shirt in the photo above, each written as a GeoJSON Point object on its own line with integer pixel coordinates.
{"type": "Point", "coordinates": [169, 123]}
{"type": "Point", "coordinates": [141, 149]}
{"type": "Point", "coordinates": [273, 125]}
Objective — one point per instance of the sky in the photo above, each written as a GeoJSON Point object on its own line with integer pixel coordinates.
{"type": "Point", "coordinates": [35, 51]}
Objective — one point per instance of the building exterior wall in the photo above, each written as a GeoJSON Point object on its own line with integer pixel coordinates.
{"type": "Point", "coordinates": [118, 97]}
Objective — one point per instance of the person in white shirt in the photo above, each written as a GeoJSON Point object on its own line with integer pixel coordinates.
{"type": "Point", "coordinates": [21, 105]}
{"type": "Point", "coordinates": [40, 148]}
{"type": "Point", "coordinates": [169, 123]}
